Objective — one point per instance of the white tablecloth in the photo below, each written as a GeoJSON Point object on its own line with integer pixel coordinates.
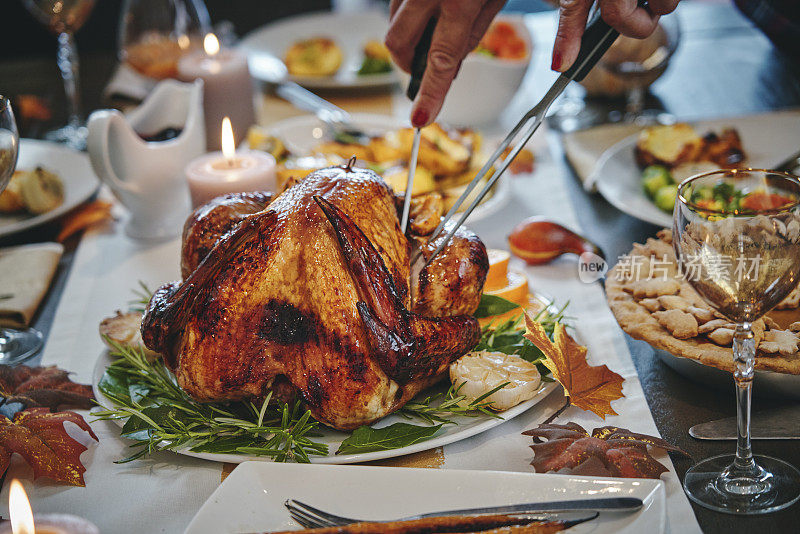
{"type": "Point", "coordinates": [161, 494]}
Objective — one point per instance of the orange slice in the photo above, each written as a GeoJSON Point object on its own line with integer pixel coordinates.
{"type": "Point", "coordinates": [497, 278]}
{"type": "Point", "coordinates": [515, 290]}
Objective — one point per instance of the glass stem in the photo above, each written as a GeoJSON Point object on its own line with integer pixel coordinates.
{"type": "Point", "coordinates": [744, 356]}
{"type": "Point", "coordinates": [635, 101]}
{"type": "Point", "coordinates": [68, 65]}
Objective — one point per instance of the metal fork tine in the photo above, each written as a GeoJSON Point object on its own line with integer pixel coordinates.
{"type": "Point", "coordinates": [478, 177]}
{"type": "Point", "coordinates": [489, 184]}
{"type": "Point", "coordinates": [304, 521]}
{"type": "Point", "coordinates": [337, 519]}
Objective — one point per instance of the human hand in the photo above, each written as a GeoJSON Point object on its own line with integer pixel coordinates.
{"type": "Point", "coordinates": [625, 16]}
{"type": "Point", "coordinates": [461, 25]}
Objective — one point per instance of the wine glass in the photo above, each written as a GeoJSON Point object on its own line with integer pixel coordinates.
{"type": "Point", "coordinates": [155, 34]}
{"type": "Point", "coordinates": [632, 65]}
{"type": "Point", "coordinates": [737, 239]}
{"type": "Point", "coordinates": [15, 345]}
{"type": "Point", "coordinates": [64, 18]}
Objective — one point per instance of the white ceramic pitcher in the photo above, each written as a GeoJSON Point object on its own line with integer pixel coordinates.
{"type": "Point", "coordinates": [148, 177]}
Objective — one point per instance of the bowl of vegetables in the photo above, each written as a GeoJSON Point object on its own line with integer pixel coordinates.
{"type": "Point", "coordinates": [490, 75]}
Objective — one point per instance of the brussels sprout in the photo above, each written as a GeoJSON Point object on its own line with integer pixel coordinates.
{"type": "Point", "coordinates": [665, 197]}
{"type": "Point", "coordinates": [654, 178]}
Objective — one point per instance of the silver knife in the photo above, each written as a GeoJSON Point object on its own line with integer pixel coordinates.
{"type": "Point", "coordinates": [609, 504]}
{"type": "Point", "coordinates": [418, 65]}
{"type": "Point", "coordinates": [782, 423]}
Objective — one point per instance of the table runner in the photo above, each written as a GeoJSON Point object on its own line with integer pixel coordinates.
{"type": "Point", "coordinates": [161, 494]}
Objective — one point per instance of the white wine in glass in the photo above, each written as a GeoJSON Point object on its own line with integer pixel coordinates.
{"type": "Point", "coordinates": [64, 18]}
{"type": "Point", "coordinates": [737, 239]}
{"type": "Point", "coordinates": [15, 345]}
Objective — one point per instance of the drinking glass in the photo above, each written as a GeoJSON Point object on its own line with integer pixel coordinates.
{"type": "Point", "coordinates": [15, 345]}
{"type": "Point", "coordinates": [64, 18]}
{"type": "Point", "coordinates": [155, 34]}
{"type": "Point", "coordinates": [737, 239]}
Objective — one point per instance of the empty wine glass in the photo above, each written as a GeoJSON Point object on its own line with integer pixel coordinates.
{"type": "Point", "coordinates": [155, 34]}
{"type": "Point", "coordinates": [737, 239]}
{"type": "Point", "coordinates": [15, 345]}
{"type": "Point", "coordinates": [64, 18]}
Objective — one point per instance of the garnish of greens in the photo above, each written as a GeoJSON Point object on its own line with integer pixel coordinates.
{"type": "Point", "coordinates": [158, 415]}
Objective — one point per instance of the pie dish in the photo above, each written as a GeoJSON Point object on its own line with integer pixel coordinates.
{"type": "Point", "coordinates": [653, 303]}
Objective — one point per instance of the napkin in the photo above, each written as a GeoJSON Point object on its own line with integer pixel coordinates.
{"type": "Point", "coordinates": [584, 148]}
{"type": "Point", "coordinates": [127, 83]}
{"type": "Point", "coordinates": [25, 275]}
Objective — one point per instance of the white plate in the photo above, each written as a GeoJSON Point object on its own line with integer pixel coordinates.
{"type": "Point", "coordinates": [302, 134]}
{"type": "Point", "coordinates": [767, 139]}
{"type": "Point", "coordinates": [72, 166]}
{"type": "Point", "coordinates": [466, 427]}
{"type": "Point", "coordinates": [251, 498]}
{"type": "Point", "coordinates": [350, 31]}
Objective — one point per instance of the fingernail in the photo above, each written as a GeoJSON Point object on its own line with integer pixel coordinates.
{"type": "Point", "coordinates": [420, 118]}
{"type": "Point", "coordinates": [556, 64]}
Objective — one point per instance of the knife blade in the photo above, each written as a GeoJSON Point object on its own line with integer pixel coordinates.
{"type": "Point", "coordinates": [782, 423]}
{"type": "Point", "coordinates": [418, 65]}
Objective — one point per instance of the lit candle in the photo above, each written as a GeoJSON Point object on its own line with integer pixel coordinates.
{"type": "Point", "coordinates": [22, 520]}
{"type": "Point", "coordinates": [229, 171]}
{"type": "Point", "coordinates": [227, 90]}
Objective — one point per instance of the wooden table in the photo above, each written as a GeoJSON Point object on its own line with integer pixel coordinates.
{"type": "Point", "coordinates": [723, 67]}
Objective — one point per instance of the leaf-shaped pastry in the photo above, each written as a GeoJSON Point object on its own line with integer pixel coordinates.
{"type": "Point", "coordinates": [49, 387]}
{"type": "Point", "coordinates": [40, 438]}
{"type": "Point", "coordinates": [589, 387]}
{"type": "Point", "coordinates": [608, 451]}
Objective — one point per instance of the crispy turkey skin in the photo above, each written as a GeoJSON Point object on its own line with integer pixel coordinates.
{"type": "Point", "coordinates": [311, 296]}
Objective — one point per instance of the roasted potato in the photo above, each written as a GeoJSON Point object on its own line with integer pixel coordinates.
{"type": "Point", "coordinates": [318, 56]}
{"type": "Point", "coordinates": [397, 178]}
{"type": "Point", "coordinates": [11, 198]}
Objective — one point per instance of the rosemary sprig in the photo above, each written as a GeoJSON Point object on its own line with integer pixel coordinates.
{"type": "Point", "coordinates": [159, 415]}
{"type": "Point", "coordinates": [440, 406]}
{"type": "Point", "coordinates": [143, 295]}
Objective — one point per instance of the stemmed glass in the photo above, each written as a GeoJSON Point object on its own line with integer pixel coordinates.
{"type": "Point", "coordinates": [15, 345]}
{"type": "Point", "coordinates": [737, 239]}
{"type": "Point", "coordinates": [64, 18]}
{"type": "Point", "coordinates": [155, 34]}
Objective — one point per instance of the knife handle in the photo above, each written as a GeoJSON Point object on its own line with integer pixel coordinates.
{"type": "Point", "coordinates": [420, 60]}
{"type": "Point", "coordinates": [597, 38]}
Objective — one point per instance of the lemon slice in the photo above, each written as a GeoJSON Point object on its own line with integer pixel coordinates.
{"type": "Point", "coordinates": [477, 373]}
{"type": "Point", "coordinates": [498, 269]}
{"type": "Point", "coordinates": [515, 289]}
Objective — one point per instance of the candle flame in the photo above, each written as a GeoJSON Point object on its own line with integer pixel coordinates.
{"type": "Point", "coordinates": [228, 142]}
{"type": "Point", "coordinates": [19, 508]}
{"type": "Point", "coordinates": [211, 44]}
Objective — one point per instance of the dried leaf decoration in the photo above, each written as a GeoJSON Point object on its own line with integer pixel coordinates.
{"type": "Point", "coordinates": [43, 387]}
{"type": "Point", "coordinates": [609, 451]}
{"type": "Point", "coordinates": [589, 387]}
{"type": "Point", "coordinates": [40, 438]}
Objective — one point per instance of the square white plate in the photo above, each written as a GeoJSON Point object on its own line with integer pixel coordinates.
{"type": "Point", "coordinates": [251, 498]}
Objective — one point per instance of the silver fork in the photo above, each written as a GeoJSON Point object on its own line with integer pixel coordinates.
{"type": "Point", "coordinates": [311, 517]}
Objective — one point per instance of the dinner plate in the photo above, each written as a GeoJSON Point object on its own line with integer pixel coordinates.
{"type": "Point", "coordinates": [301, 134]}
{"type": "Point", "coordinates": [767, 139]}
{"type": "Point", "coordinates": [466, 426]}
{"type": "Point", "coordinates": [266, 47]}
{"type": "Point", "coordinates": [72, 167]}
{"type": "Point", "coordinates": [251, 498]}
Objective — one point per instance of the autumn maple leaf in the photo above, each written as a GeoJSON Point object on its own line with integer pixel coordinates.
{"type": "Point", "coordinates": [43, 386]}
{"type": "Point", "coordinates": [588, 387]}
{"type": "Point", "coordinates": [608, 451]}
{"type": "Point", "coordinates": [40, 438]}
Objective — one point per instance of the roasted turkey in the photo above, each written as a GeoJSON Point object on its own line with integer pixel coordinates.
{"type": "Point", "coordinates": [310, 294]}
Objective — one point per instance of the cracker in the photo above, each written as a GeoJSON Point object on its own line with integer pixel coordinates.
{"type": "Point", "coordinates": [654, 288]}
{"type": "Point", "coordinates": [722, 336]}
{"type": "Point", "coordinates": [673, 302]}
{"type": "Point", "coordinates": [779, 341]}
{"type": "Point", "coordinates": [703, 315]}
{"type": "Point", "coordinates": [791, 302]}
{"type": "Point", "coordinates": [652, 305]}
{"type": "Point", "coordinates": [682, 325]}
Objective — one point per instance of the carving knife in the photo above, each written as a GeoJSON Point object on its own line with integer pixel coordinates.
{"type": "Point", "coordinates": [597, 37]}
{"type": "Point", "coordinates": [418, 64]}
{"type": "Point", "coordinates": [782, 423]}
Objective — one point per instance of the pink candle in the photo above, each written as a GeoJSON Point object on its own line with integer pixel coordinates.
{"type": "Point", "coordinates": [227, 91]}
{"type": "Point", "coordinates": [229, 171]}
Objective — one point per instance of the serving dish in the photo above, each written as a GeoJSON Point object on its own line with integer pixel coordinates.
{"type": "Point", "coordinates": [767, 139]}
{"type": "Point", "coordinates": [74, 169]}
{"type": "Point", "coordinates": [302, 134]}
{"type": "Point", "coordinates": [266, 47]}
{"type": "Point", "coordinates": [251, 498]}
